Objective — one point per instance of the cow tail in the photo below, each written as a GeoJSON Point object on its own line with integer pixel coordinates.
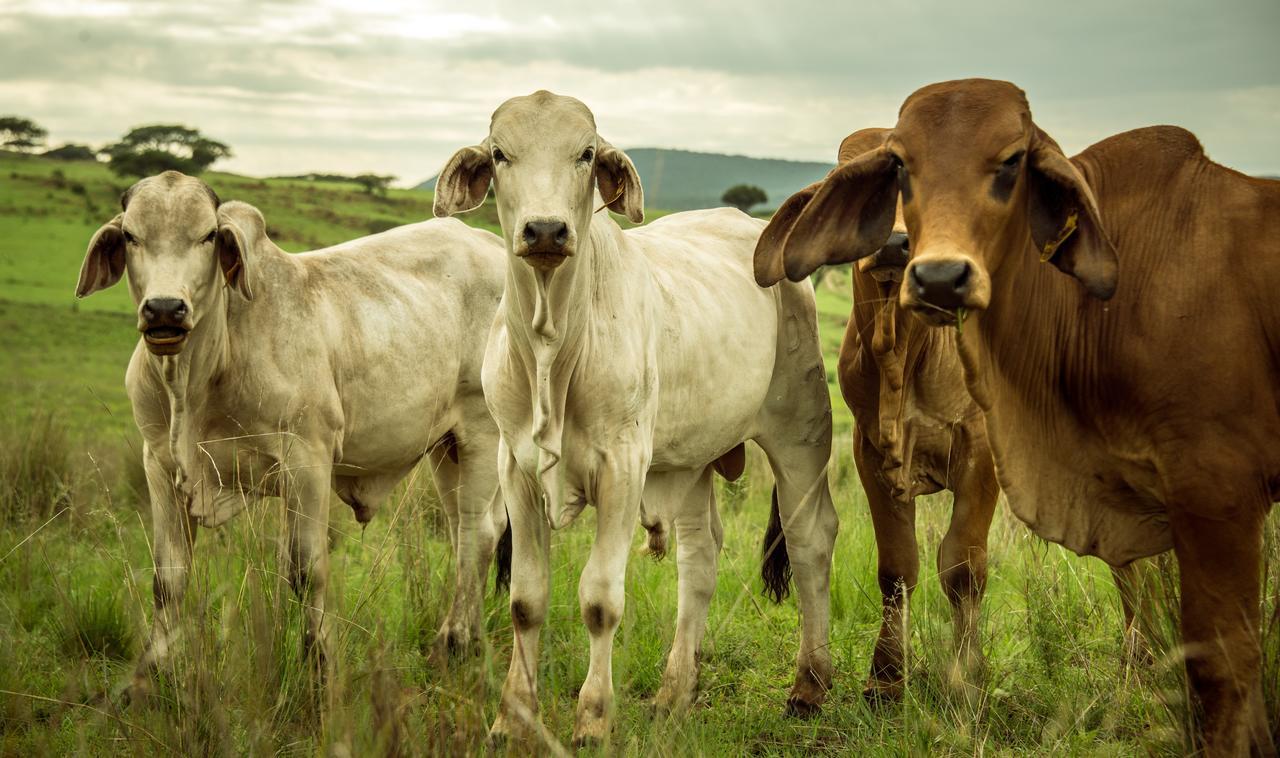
{"type": "Point", "coordinates": [502, 558]}
{"type": "Point", "coordinates": [775, 564]}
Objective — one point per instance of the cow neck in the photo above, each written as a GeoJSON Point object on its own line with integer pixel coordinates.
{"type": "Point", "coordinates": [549, 312]}
{"type": "Point", "coordinates": [187, 378]}
{"type": "Point", "coordinates": [1037, 337]}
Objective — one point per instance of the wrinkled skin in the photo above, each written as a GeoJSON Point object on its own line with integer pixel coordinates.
{"type": "Point", "coordinates": [1131, 385]}
{"type": "Point", "coordinates": [622, 368]}
{"type": "Point", "coordinates": [261, 373]}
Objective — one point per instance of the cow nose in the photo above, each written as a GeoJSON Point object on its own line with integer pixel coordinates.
{"type": "Point", "coordinates": [944, 284]}
{"type": "Point", "coordinates": [546, 235]}
{"type": "Point", "coordinates": [168, 309]}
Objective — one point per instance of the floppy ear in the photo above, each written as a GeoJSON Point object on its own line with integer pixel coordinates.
{"type": "Point", "coordinates": [619, 182]}
{"type": "Point", "coordinates": [240, 227]}
{"type": "Point", "coordinates": [850, 216]}
{"type": "Point", "coordinates": [769, 248]}
{"type": "Point", "coordinates": [464, 181]}
{"type": "Point", "coordinates": [1064, 219]}
{"type": "Point", "coordinates": [104, 261]}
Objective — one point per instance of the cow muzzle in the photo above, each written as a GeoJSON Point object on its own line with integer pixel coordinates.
{"type": "Point", "coordinates": [164, 323]}
{"type": "Point", "coordinates": [545, 243]}
{"type": "Point", "coordinates": [888, 263]}
{"type": "Point", "coordinates": [936, 288]}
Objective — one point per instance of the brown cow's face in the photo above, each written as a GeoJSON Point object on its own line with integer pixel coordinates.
{"type": "Point", "coordinates": [979, 182]}
{"type": "Point", "coordinates": [961, 154]}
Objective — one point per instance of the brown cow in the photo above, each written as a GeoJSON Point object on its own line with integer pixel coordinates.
{"type": "Point", "coordinates": [1133, 405]}
{"type": "Point", "coordinates": [918, 432]}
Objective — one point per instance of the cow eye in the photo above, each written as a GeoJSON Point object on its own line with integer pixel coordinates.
{"type": "Point", "coordinates": [1013, 161]}
{"type": "Point", "coordinates": [129, 239]}
{"type": "Point", "coordinates": [587, 155]}
{"type": "Point", "coordinates": [499, 156]}
{"type": "Point", "coordinates": [210, 237]}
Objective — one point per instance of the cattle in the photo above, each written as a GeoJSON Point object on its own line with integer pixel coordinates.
{"type": "Point", "coordinates": [624, 366]}
{"type": "Point", "coordinates": [917, 432]}
{"type": "Point", "coordinates": [260, 373]}
{"type": "Point", "coordinates": [1131, 387]}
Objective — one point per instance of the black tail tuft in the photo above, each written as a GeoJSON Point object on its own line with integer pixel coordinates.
{"type": "Point", "coordinates": [502, 558]}
{"type": "Point", "coordinates": [775, 564]}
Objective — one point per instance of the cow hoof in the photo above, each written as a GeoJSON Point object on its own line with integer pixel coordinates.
{"type": "Point", "coordinates": [454, 643]}
{"type": "Point", "coordinates": [591, 729]}
{"type": "Point", "coordinates": [798, 707]}
{"type": "Point", "coordinates": [880, 693]}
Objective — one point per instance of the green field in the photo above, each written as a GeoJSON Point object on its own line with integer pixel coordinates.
{"type": "Point", "coordinates": [75, 575]}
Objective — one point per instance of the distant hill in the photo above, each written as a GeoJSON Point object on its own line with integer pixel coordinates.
{"type": "Point", "coordinates": [682, 179]}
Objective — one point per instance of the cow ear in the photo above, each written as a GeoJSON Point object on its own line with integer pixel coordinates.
{"type": "Point", "coordinates": [464, 181]}
{"type": "Point", "coordinates": [850, 216]}
{"type": "Point", "coordinates": [769, 267]}
{"type": "Point", "coordinates": [104, 261]}
{"type": "Point", "coordinates": [619, 182]}
{"type": "Point", "coordinates": [1064, 220]}
{"type": "Point", "coordinates": [240, 228]}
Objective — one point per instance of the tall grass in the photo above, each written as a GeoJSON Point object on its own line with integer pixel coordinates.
{"type": "Point", "coordinates": [75, 597]}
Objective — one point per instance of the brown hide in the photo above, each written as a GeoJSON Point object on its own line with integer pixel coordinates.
{"type": "Point", "coordinates": [1132, 387]}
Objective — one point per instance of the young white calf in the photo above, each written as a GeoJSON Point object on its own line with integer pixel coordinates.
{"type": "Point", "coordinates": [261, 373]}
{"type": "Point", "coordinates": [622, 367]}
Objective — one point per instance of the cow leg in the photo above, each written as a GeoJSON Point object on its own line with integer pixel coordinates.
{"type": "Point", "coordinates": [809, 524]}
{"type": "Point", "coordinates": [174, 536]}
{"type": "Point", "coordinates": [1130, 583]}
{"type": "Point", "coordinates": [697, 558]}
{"type": "Point", "coordinates": [306, 494]}
{"type": "Point", "coordinates": [962, 568]}
{"type": "Point", "coordinates": [472, 532]}
{"type": "Point", "coordinates": [1219, 562]}
{"type": "Point", "coordinates": [898, 571]}
{"type": "Point", "coordinates": [601, 588]}
{"type": "Point", "coordinates": [530, 576]}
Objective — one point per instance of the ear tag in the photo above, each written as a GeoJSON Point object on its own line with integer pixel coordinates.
{"type": "Point", "coordinates": [608, 203]}
{"type": "Point", "coordinates": [1052, 245]}
{"type": "Point", "coordinates": [231, 272]}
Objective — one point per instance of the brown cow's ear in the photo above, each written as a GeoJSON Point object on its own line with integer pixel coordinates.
{"type": "Point", "coordinates": [850, 216]}
{"type": "Point", "coordinates": [619, 182]}
{"type": "Point", "coordinates": [769, 248]}
{"type": "Point", "coordinates": [464, 181]}
{"type": "Point", "coordinates": [1065, 223]}
{"type": "Point", "coordinates": [240, 227]}
{"type": "Point", "coordinates": [104, 261]}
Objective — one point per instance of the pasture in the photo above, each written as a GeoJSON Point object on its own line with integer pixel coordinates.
{"type": "Point", "coordinates": [75, 575]}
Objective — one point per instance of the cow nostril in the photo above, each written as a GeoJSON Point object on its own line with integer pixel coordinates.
{"type": "Point", "coordinates": [529, 235]}
{"type": "Point", "coordinates": [961, 282]}
{"type": "Point", "coordinates": [562, 234]}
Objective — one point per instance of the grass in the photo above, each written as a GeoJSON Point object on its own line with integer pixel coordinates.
{"type": "Point", "coordinates": [75, 578]}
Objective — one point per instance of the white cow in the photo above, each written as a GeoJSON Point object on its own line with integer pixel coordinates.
{"type": "Point", "coordinates": [261, 373]}
{"type": "Point", "coordinates": [622, 366]}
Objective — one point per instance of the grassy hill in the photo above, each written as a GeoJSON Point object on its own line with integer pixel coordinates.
{"type": "Point", "coordinates": [683, 179]}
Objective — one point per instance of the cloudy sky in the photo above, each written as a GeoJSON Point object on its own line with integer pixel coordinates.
{"type": "Point", "coordinates": [394, 86]}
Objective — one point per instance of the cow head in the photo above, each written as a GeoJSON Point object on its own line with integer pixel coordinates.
{"type": "Point", "coordinates": [179, 247]}
{"type": "Point", "coordinates": [545, 161]}
{"type": "Point", "coordinates": [978, 183]}
{"type": "Point", "coordinates": [831, 222]}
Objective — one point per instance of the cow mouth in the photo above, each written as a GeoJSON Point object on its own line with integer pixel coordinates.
{"type": "Point", "coordinates": [544, 261]}
{"type": "Point", "coordinates": [165, 340]}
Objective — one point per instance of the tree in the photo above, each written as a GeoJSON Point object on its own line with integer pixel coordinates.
{"type": "Point", "coordinates": [71, 152]}
{"type": "Point", "coordinates": [743, 196]}
{"type": "Point", "coordinates": [17, 133]}
{"type": "Point", "coordinates": [374, 184]}
{"type": "Point", "coordinates": [149, 150]}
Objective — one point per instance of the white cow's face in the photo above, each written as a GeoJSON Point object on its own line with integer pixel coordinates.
{"type": "Point", "coordinates": [178, 254]}
{"type": "Point", "coordinates": [545, 160]}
